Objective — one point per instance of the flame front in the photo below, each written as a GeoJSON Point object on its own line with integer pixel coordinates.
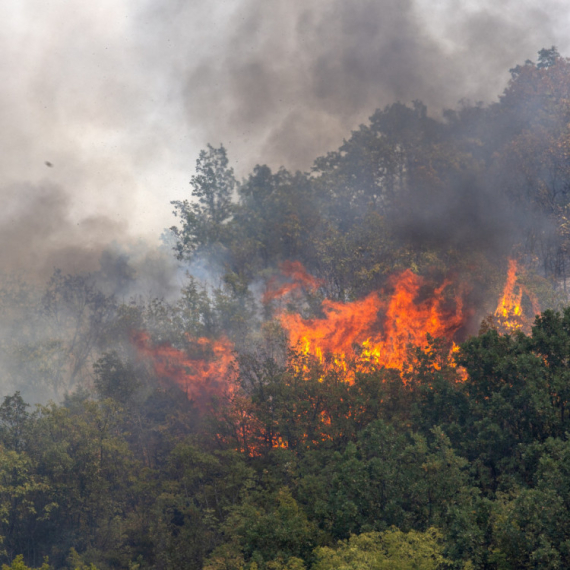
{"type": "Point", "coordinates": [375, 332]}
{"type": "Point", "coordinates": [384, 327]}
{"type": "Point", "coordinates": [370, 333]}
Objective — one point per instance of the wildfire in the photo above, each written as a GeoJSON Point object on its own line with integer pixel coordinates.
{"type": "Point", "coordinates": [382, 326]}
{"type": "Point", "coordinates": [370, 333]}
{"type": "Point", "coordinates": [202, 376]}
{"type": "Point", "coordinates": [296, 279]}
{"type": "Point", "coordinates": [509, 313]}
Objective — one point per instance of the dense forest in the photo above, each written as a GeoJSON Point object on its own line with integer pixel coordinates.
{"type": "Point", "coordinates": [366, 367]}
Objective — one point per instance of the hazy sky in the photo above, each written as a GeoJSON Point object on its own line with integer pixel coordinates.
{"type": "Point", "coordinates": [120, 96]}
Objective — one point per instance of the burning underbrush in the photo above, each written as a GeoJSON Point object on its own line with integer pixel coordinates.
{"type": "Point", "coordinates": [377, 331]}
{"type": "Point", "coordinates": [201, 371]}
{"type": "Point", "coordinates": [382, 331]}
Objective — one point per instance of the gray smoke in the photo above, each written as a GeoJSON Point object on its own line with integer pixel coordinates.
{"type": "Point", "coordinates": [38, 234]}
{"type": "Point", "coordinates": [106, 105]}
{"type": "Point", "coordinates": [282, 83]}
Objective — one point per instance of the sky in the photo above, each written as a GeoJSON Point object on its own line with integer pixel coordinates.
{"type": "Point", "coordinates": [119, 96]}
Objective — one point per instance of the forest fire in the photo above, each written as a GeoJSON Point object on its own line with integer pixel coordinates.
{"type": "Point", "coordinates": [509, 313]}
{"type": "Point", "coordinates": [378, 330]}
{"type": "Point", "coordinates": [204, 375]}
{"type": "Point", "coordinates": [294, 278]}
{"type": "Point", "coordinates": [374, 332]}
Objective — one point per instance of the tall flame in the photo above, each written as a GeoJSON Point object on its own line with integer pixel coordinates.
{"type": "Point", "coordinates": [384, 340]}
{"type": "Point", "coordinates": [374, 332]}
{"type": "Point", "coordinates": [509, 312]}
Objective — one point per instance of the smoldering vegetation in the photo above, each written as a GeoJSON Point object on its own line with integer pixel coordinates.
{"type": "Point", "coordinates": [453, 196]}
{"type": "Point", "coordinates": [53, 331]}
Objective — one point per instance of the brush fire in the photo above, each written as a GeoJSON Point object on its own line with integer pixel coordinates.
{"type": "Point", "coordinates": [375, 332]}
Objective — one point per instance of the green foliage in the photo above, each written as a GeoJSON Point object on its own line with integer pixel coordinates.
{"type": "Point", "coordinates": [389, 550]}
{"type": "Point", "coordinates": [18, 564]}
{"type": "Point", "coordinates": [266, 530]}
{"type": "Point", "coordinates": [113, 379]}
{"type": "Point", "coordinates": [205, 220]}
{"type": "Point", "coordinates": [517, 390]}
{"type": "Point", "coordinates": [14, 420]}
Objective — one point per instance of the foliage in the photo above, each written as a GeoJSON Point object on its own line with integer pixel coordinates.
{"type": "Point", "coordinates": [204, 221]}
{"type": "Point", "coordinates": [18, 564]}
{"type": "Point", "coordinates": [389, 550]}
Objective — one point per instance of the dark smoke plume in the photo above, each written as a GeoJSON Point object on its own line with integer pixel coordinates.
{"type": "Point", "coordinates": [119, 97]}
{"type": "Point", "coordinates": [284, 82]}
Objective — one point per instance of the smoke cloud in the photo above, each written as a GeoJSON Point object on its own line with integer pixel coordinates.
{"type": "Point", "coordinates": [284, 82]}
{"type": "Point", "coordinates": [105, 106]}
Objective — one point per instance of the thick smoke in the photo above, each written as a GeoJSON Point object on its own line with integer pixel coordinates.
{"type": "Point", "coordinates": [284, 82]}
{"type": "Point", "coordinates": [38, 234]}
{"type": "Point", "coordinates": [467, 215]}
{"type": "Point", "coordinates": [119, 97]}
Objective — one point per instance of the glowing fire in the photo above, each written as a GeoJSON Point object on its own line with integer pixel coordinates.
{"type": "Point", "coordinates": [509, 312]}
{"type": "Point", "coordinates": [199, 377]}
{"type": "Point", "coordinates": [383, 327]}
{"type": "Point", "coordinates": [294, 278]}
{"type": "Point", "coordinates": [370, 333]}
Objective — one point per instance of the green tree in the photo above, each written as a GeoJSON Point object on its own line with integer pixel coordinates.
{"type": "Point", "coordinates": [389, 550]}
{"type": "Point", "coordinates": [114, 379]}
{"type": "Point", "coordinates": [264, 528]}
{"type": "Point", "coordinates": [18, 564]}
{"type": "Point", "coordinates": [14, 422]}
{"type": "Point", "coordinates": [205, 219]}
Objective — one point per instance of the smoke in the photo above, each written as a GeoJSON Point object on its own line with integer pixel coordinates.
{"type": "Point", "coordinates": [465, 215]}
{"type": "Point", "coordinates": [38, 234]}
{"type": "Point", "coordinates": [118, 97]}
{"type": "Point", "coordinates": [282, 83]}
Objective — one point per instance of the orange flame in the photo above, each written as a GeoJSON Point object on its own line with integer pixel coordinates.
{"type": "Point", "coordinates": [509, 312]}
{"type": "Point", "coordinates": [298, 279]}
{"type": "Point", "coordinates": [384, 342]}
{"type": "Point", "coordinates": [370, 333]}
{"type": "Point", "coordinates": [198, 377]}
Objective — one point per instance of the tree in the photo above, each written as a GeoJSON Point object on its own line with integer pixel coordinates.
{"type": "Point", "coordinates": [115, 379]}
{"type": "Point", "coordinates": [547, 57]}
{"type": "Point", "coordinates": [18, 564]}
{"type": "Point", "coordinates": [265, 527]}
{"type": "Point", "coordinates": [389, 550]}
{"type": "Point", "coordinates": [205, 219]}
{"type": "Point", "coordinates": [14, 420]}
